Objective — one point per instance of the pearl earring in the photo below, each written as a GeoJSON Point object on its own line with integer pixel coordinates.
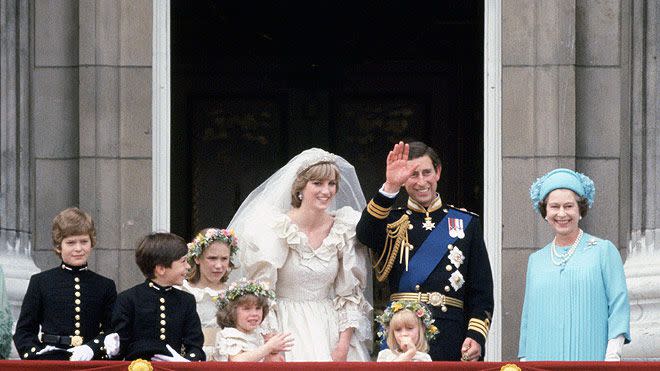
{"type": "Point", "coordinates": [580, 217]}
{"type": "Point", "coordinates": [546, 218]}
{"type": "Point", "coordinates": [300, 196]}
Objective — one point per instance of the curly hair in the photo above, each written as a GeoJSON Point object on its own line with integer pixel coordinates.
{"type": "Point", "coordinates": [226, 316]}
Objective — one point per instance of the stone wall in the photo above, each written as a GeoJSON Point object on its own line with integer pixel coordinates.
{"type": "Point", "coordinates": [91, 124]}
{"type": "Point", "coordinates": [565, 104]}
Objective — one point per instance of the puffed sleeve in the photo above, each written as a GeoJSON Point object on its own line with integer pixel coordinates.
{"type": "Point", "coordinates": [351, 278]}
{"type": "Point", "coordinates": [228, 342]}
{"type": "Point", "coordinates": [618, 321]}
{"type": "Point", "coordinates": [386, 355]}
{"type": "Point", "coordinates": [262, 252]}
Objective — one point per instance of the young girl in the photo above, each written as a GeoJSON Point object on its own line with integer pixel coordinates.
{"type": "Point", "coordinates": [409, 327]}
{"type": "Point", "coordinates": [241, 309]}
{"type": "Point", "coordinates": [211, 257]}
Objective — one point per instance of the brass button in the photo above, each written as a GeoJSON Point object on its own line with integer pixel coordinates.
{"type": "Point", "coordinates": [33, 349]}
{"type": "Point", "coordinates": [76, 279]}
{"type": "Point", "coordinates": [25, 355]}
{"type": "Point", "coordinates": [162, 307]}
{"type": "Point", "coordinates": [447, 288]}
{"type": "Point", "coordinates": [96, 341]}
{"type": "Point", "coordinates": [450, 247]}
{"type": "Point", "coordinates": [77, 324]}
{"type": "Point", "coordinates": [77, 287]}
{"type": "Point", "coordinates": [162, 300]}
{"type": "Point", "coordinates": [77, 301]}
{"type": "Point", "coordinates": [410, 226]}
{"type": "Point", "coordinates": [77, 309]}
{"type": "Point", "coordinates": [77, 317]}
{"type": "Point", "coordinates": [162, 330]}
{"type": "Point", "coordinates": [448, 268]}
{"type": "Point", "coordinates": [162, 322]}
{"type": "Point", "coordinates": [77, 294]}
{"type": "Point", "coordinates": [162, 337]}
{"type": "Point", "coordinates": [151, 284]}
{"type": "Point", "coordinates": [192, 355]}
{"type": "Point", "coordinates": [162, 315]}
{"type": "Point", "coordinates": [443, 308]}
{"type": "Point", "coordinates": [76, 332]}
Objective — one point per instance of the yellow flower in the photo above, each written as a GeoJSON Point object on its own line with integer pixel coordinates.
{"type": "Point", "coordinates": [397, 307]}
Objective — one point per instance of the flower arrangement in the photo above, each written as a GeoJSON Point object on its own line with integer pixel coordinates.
{"type": "Point", "coordinates": [419, 309]}
{"type": "Point", "coordinates": [243, 287]}
{"type": "Point", "coordinates": [202, 241]}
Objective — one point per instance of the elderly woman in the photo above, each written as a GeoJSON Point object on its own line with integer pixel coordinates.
{"type": "Point", "coordinates": [576, 302]}
{"type": "Point", "coordinates": [297, 231]}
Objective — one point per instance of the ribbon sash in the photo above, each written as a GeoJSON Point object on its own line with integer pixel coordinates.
{"type": "Point", "coordinates": [428, 255]}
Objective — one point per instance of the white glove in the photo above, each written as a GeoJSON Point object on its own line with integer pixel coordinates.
{"type": "Point", "coordinates": [111, 344]}
{"type": "Point", "coordinates": [48, 348]}
{"type": "Point", "coordinates": [523, 359]}
{"type": "Point", "coordinates": [613, 352]}
{"type": "Point", "coordinates": [81, 353]}
{"type": "Point", "coordinates": [176, 357]}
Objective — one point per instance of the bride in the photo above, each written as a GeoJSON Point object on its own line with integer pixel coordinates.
{"type": "Point", "coordinates": [297, 231]}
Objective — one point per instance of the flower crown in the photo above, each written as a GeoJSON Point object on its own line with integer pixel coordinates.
{"type": "Point", "coordinates": [202, 241]}
{"type": "Point", "coordinates": [243, 287]}
{"type": "Point", "coordinates": [420, 310]}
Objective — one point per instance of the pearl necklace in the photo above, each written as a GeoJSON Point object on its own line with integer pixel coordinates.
{"type": "Point", "coordinates": [560, 259]}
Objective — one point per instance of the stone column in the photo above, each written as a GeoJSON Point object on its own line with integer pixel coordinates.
{"type": "Point", "coordinates": [114, 108]}
{"type": "Point", "coordinates": [643, 264]}
{"type": "Point", "coordinates": [538, 133]}
{"type": "Point", "coordinates": [15, 228]}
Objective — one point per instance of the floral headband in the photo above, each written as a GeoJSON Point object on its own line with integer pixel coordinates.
{"type": "Point", "coordinates": [420, 310]}
{"type": "Point", "coordinates": [243, 287]}
{"type": "Point", "coordinates": [579, 183]}
{"type": "Point", "coordinates": [202, 241]}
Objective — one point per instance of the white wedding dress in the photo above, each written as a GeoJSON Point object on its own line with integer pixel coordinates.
{"type": "Point", "coordinates": [319, 291]}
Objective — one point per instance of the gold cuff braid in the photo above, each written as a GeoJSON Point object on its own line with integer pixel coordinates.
{"type": "Point", "coordinates": [397, 235]}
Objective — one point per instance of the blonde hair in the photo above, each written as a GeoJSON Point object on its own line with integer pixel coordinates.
{"type": "Point", "coordinates": [320, 171]}
{"type": "Point", "coordinates": [194, 273]}
{"type": "Point", "coordinates": [406, 317]}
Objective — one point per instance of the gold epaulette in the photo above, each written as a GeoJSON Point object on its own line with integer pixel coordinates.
{"type": "Point", "coordinates": [463, 210]}
{"type": "Point", "coordinates": [378, 211]}
{"type": "Point", "coordinates": [397, 235]}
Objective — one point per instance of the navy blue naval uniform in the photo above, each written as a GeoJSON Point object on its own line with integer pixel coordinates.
{"type": "Point", "coordinates": [147, 317]}
{"type": "Point", "coordinates": [474, 295]}
{"type": "Point", "coordinates": [73, 306]}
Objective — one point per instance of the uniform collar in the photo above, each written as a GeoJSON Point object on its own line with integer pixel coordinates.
{"type": "Point", "coordinates": [435, 205]}
{"type": "Point", "coordinates": [72, 268]}
{"type": "Point", "coordinates": [158, 287]}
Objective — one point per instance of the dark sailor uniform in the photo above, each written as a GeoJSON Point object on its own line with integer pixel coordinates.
{"type": "Point", "coordinates": [73, 306]}
{"type": "Point", "coordinates": [147, 317]}
{"type": "Point", "coordinates": [458, 285]}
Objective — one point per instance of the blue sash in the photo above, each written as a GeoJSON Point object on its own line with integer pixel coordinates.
{"type": "Point", "coordinates": [431, 252]}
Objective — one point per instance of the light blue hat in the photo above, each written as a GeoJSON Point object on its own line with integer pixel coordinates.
{"type": "Point", "coordinates": [562, 179]}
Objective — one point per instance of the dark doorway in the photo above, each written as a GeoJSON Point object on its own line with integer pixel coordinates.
{"type": "Point", "coordinates": [254, 83]}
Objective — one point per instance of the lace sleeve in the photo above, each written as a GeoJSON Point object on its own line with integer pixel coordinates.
{"type": "Point", "coordinates": [351, 279]}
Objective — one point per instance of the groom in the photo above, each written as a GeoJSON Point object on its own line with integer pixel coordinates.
{"type": "Point", "coordinates": [431, 252]}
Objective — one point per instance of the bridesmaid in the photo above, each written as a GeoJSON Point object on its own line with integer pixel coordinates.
{"type": "Point", "coordinates": [210, 256]}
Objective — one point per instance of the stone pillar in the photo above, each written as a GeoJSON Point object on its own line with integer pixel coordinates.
{"type": "Point", "coordinates": [643, 264]}
{"type": "Point", "coordinates": [114, 109]}
{"type": "Point", "coordinates": [15, 228]}
{"type": "Point", "coordinates": [538, 118]}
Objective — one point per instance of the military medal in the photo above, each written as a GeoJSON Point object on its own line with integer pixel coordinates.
{"type": "Point", "coordinates": [455, 228]}
{"type": "Point", "coordinates": [428, 223]}
{"type": "Point", "coordinates": [76, 341]}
